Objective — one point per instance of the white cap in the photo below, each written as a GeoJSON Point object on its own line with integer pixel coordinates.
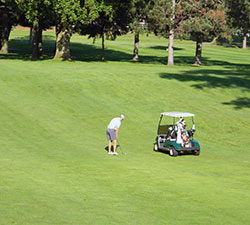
{"type": "Point", "coordinates": [122, 116]}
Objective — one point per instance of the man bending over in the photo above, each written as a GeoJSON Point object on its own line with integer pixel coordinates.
{"type": "Point", "coordinates": [112, 133]}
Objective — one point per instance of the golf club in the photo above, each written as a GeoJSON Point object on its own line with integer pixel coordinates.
{"type": "Point", "coordinates": [124, 153]}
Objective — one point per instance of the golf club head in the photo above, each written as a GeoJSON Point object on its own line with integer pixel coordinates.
{"type": "Point", "coordinates": [124, 153]}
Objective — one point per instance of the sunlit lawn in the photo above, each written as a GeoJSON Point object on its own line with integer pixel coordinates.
{"type": "Point", "coordinates": [53, 118]}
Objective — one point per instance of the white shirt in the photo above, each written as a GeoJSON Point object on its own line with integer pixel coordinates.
{"type": "Point", "coordinates": [115, 123]}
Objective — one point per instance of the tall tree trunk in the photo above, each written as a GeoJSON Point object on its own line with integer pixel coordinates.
{"type": "Point", "coordinates": [4, 39]}
{"type": "Point", "coordinates": [63, 36]}
{"type": "Point", "coordinates": [171, 37]}
{"type": "Point", "coordinates": [198, 50]}
{"type": "Point", "coordinates": [171, 48]}
{"type": "Point", "coordinates": [40, 41]}
{"type": "Point", "coordinates": [30, 37]}
{"type": "Point", "coordinates": [244, 42]}
{"type": "Point", "coordinates": [136, 48]}
{"type": "Point", "coordinates": [4, 33]}
{"type": "Point", "coordinates": [35, 49]}
{"type": "Point", "coordinates": [103, 57]}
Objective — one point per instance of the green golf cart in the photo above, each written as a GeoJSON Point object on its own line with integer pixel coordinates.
{"type": "Point", "coordinates": [174, 137]}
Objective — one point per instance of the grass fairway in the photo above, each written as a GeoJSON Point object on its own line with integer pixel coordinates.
{"type": "Point", "coordinates": [54, 168]}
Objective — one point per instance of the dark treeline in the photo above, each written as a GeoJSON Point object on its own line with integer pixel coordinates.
{"type": "Point", "coordinates": [198, 20]}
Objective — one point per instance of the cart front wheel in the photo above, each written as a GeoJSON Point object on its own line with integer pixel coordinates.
{"type": "Point", "coordinates": [156, 148]}
{"type": "Point", "coordinates": [173, 152]}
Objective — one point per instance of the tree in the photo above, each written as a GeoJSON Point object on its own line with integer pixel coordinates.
{"type": "Point", "coordinates": [206, 20]}
{"type": "Point", "coordinates": [66, 14]}
{"type": "Point", "coordinates": [138, 14]}
{"type": "Point", "coordinates": [165, 17]}
{"type": "Point", "coordinates": [8, 17]}
{"type": "Point", "coordinates": [106, 18]}
{"type": "Point", "coordinates": [38, 14]}
{"type": "Point", "coordinates": [238, 12]}
{"type": "Point", "coordinates": [100, 17]}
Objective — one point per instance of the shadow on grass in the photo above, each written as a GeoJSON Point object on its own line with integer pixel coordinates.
{"type": "Point", "coordinates": [92, 53]}
{"type": "Point", "coordinates": [21, 49]}
{"type": "Point", "coordinates": [237, 77]}
{"type": "Point", "coordinates": [233, 76]}
{"type": "Point", "coordinates": [239, 103]}
{"type": "Point", "coordinates": [179, 154]}
{"type": "Point", "coordinates": [107, 148]}
{"type": "Point", "coordinates": [25, 56]}
{"type": "Point", "coordinates": [160, 47]}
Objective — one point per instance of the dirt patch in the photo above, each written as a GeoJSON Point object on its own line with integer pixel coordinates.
{"type": "Point", "coordinates": [18, 27]}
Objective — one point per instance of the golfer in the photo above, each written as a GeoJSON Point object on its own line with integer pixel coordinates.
{"type": "Point", "coordinates": [112, 133]}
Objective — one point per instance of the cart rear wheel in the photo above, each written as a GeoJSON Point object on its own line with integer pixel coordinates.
{"type": "Point", "coordinates": [197, 152]}
{"type": "Point", "coordinates": [156, 148]}
{"type": "Point", "coordinates": [173, 152]}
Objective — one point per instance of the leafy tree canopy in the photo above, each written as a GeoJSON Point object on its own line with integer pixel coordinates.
{"type": "Point", "coordinates": [163, 16]}
{"type": "Point", "coordinates": [238, 12]}
{"type": "Point", "coordinates": [205, 19]}
{"type": "Point", "coordinates": [105, 16]}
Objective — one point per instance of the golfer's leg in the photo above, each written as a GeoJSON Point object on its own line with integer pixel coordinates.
{"type": "Point", "coordinates": [110, 144]}
{"type": "Point", "coordinates": [114, 145]}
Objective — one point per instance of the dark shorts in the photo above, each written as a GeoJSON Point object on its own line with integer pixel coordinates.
{"type": "Point", "coordinates": [111, 135]}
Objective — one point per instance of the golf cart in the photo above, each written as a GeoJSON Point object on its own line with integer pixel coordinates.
{"type": "Point", "coordinates": [174, 137]}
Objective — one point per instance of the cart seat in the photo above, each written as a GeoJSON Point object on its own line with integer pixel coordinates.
{"type": "Point", "coordinates": [173, 135]}
{"type": "Point", "coordinates": [164, 129]}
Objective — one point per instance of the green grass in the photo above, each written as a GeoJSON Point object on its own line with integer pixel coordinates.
{"type": "Point", "coordinates": [54, 168]}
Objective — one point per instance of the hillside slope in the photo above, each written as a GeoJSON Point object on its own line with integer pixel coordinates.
{"type": "Point", "coordinates": [53, 116]}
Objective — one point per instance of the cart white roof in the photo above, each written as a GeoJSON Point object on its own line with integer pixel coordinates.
{"type": "Point", "coordinates": [178, 114]}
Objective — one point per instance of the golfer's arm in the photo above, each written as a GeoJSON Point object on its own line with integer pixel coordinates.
{"type": "Point", "coordinates": [117, 132]}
